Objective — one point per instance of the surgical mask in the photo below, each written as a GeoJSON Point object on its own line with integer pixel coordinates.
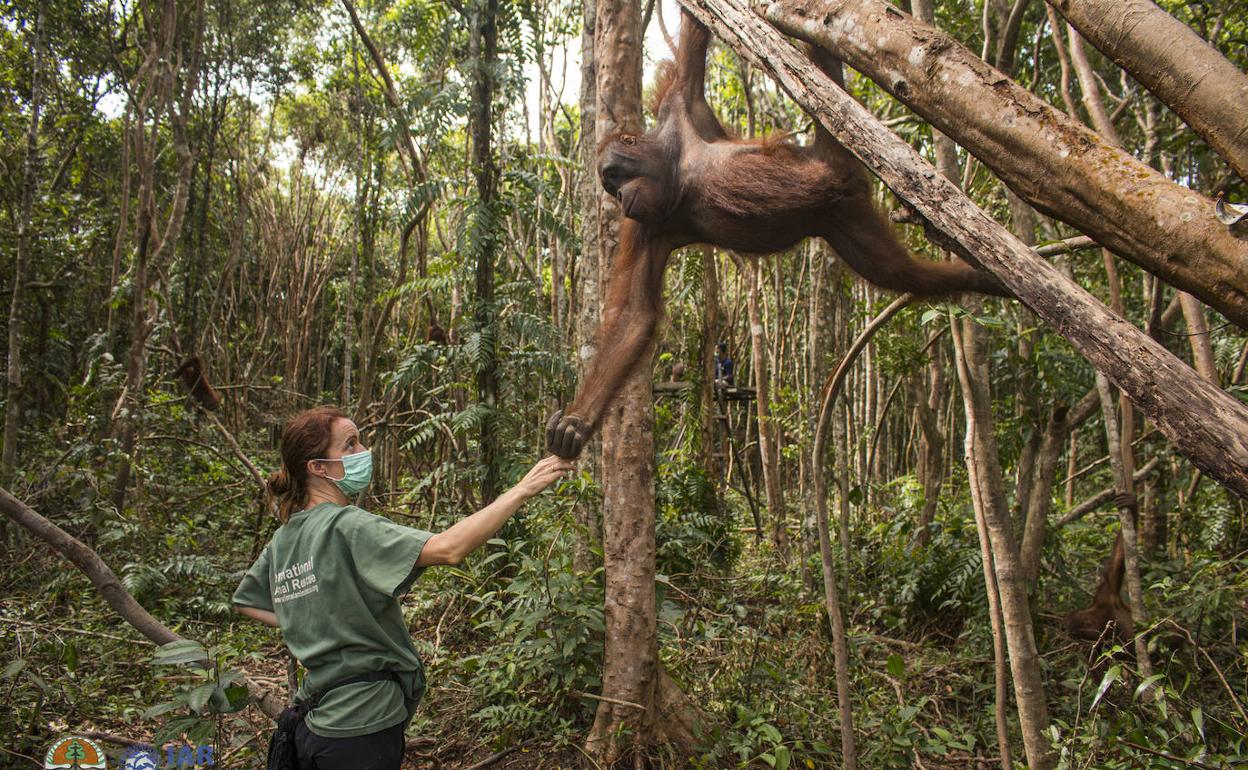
{"type": "Point", "coordinates": [357, 472]}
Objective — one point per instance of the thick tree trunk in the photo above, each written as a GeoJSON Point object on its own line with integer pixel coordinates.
{"type": "Point", "coordinates": [988, 496]}
{"type": "Point", "coordinates": [482, 51]}
{"type": "Point", "coordinates": [1169, 59]}
{"type": "Point", "coordinates": [1060, 167]}
{"type": "Point", "coordinates": [641, 709]}
{"type": "Point", "coordinates": [1207, 425]}
{"type": "Point", "coordinates": [630, 665]}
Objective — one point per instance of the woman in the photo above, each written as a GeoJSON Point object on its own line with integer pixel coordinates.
{"type": "Point", "coordinates": [331, 579]}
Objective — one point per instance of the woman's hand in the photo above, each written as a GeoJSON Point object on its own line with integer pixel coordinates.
{"type": "Point", "coordinates": [546, 472]}
{"type": "Point", "coordinates": [467, 534]}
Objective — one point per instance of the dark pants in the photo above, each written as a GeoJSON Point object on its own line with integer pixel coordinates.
{"type": "Point", "coordinates": [382, 750]}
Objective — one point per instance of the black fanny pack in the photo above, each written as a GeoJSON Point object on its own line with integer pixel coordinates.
{"type": "Point", "coordinates": [282, 745]}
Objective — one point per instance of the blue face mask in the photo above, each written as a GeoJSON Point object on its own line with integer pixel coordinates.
{"type": "Point", "coordinates": [357, 472]}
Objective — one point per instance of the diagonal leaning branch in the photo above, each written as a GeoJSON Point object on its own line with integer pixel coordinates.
{"type": "Point", "coordinates": [1174, 63]}
{"type": "Point", "coordinates": [1208, 425]}
{"type": "Point", "coordinates": [1051, 161]}
{"type": "Point", "coordinates": [110, 587]}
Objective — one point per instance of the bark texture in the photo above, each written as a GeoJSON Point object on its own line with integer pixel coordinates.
{"type": "Point", "coordinates": [988, 496]}
{"type": "Point", "coordinates": [645, 706]}
{"type": "Point", "coordinates": [630, 660]}
{"type": "Point", "coordinates": [1051, 161]}
{"type": "Point", "coordinates": [1174, 63]}
{"type": "Point", "coordinates": [1208, 425]}
{"type": "Point", "coordinates": [768, 441]}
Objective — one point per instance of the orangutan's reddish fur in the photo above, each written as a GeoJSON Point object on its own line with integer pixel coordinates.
{"type": "Point", "coordinates": [1107, 607]}
{"type": "Point", "coordinates": [688, 181]}
{"type": "Point", "coordinates": [196, 381]}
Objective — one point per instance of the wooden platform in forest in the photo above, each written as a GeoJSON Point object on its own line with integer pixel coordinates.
{"type": "Point", "coordinates": [662, 389]}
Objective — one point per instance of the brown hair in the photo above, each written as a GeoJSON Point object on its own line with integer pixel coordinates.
{"type": "Point", "coordinates": [305, 437]}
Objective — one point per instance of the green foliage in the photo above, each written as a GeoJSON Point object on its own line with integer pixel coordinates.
{"type": "Point", "coordinates": [546, 627]}
{"type": "Point", "coordinates": [213, 691]}
{"type": "Point", "coordinates": [691, 534]}
{"type": "Point", "coordinates": [932, 588]}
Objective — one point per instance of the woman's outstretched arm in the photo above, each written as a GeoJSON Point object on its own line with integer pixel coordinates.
{"type": "Point", "coordinates": [468, 534]}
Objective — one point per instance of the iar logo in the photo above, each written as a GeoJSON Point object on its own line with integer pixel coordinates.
{"type": "Point", "coordinates": [74, 752]}
{"type": "Point", "coordinates": [148, 758]}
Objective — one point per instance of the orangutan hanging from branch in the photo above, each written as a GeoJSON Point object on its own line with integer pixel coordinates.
{"type": "Point", "coordinates": [687, 181]}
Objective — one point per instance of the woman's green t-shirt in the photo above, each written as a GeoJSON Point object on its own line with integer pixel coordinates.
{"type": "Point", "coordinates": [333, 575]}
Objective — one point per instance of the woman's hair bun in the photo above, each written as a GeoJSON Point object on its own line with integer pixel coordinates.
{"type": "Point", "coordinates": [278, 483]}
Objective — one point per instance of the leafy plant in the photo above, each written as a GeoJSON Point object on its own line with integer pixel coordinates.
{"type": "Point", "coordinates": [214, 690]}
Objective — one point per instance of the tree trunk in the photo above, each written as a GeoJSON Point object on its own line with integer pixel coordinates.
{"type": "Point", "coordinates": [630, 665]}
{"type": "Point", "coordinates": [711, 447]}
{"type": "Point", "coordinates": [988, 496]}
{"type": "Point", "coordinates": [640, 707]}
{"type": "Point", "coordinates": [1169, 59]}
{"type": "Point", "coordinates": [1198, 337]}
{"type": "Point", "coordinates": [585, 285]}
{"type": "Point", "coordinates": [482, 52]}
{"type": "Point", "coordinates": [1057, 434]}
{"type": "Point", "coordinates": [30, 179]}
{"type": "Point", "coordinates": [1034, 506]}
{"type": "Point", "coordinates": [931, 466]}
{"type": "Point", "coordinates": [1000, 664]}
{"type": "Point", "coordinates": [768, 445]}
{"type": "Point", "coordinates": [821, 342]}
{"type": "Point", "coordinates": [1052, 162]}
{"type": "Point", "coordinates": [1207, 425]}
{"type": "Point", "coordinates": [1126, 517]}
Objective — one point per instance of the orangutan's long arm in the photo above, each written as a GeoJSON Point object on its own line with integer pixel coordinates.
{"type": "Point", "coordinates": [629, 319]}
{"type": "Point", "coordinates": [691, 78]}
